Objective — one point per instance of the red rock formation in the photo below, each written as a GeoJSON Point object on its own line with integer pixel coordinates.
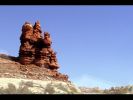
{"type": "Point", "coordinates": [27, 48]}
{"type": "Point", "coordinates": [36, 50]}
{"type": "Point", "coordinates": [46, 56]}
{"type": "Point", "coordinates": [47, 40]}
{"type": "Point", "coordinates": [37, 32]}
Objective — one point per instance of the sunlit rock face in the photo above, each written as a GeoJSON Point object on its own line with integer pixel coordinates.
{"type": "Point", "coordinates": [27, 86]}
{"type": "Point", "coordinates": [35, 49]}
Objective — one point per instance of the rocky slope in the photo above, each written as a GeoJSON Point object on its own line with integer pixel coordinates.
{"type": "Point", "coordinates": [11, 68]}
{"type": "Point", "coordinates": [17, 78]}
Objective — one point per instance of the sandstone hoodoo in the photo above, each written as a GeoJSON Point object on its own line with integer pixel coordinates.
{"type": "Point", "coordinates": [36, 49]}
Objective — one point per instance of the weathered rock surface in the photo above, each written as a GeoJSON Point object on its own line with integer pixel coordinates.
{"type": "Point", "coordinates": [16, 78]}
{"type": "Point", "coordinates": [11, 68]}
{"type": "Point", "coordinates": [35, 49]}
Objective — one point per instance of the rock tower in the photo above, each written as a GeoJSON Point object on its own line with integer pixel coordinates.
{"type": "Point", "coordinates": [35, 49]}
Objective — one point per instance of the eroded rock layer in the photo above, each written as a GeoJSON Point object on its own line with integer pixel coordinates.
{"type": "Point", "coordinates": [36, 50]}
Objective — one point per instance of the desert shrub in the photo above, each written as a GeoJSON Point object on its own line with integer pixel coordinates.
{"type": "Point", "coordinates": [29, 87]}
{"type": "Point", "coordinates": [119, 90]}
{"type": "Point", "coordinates": [11, 89]}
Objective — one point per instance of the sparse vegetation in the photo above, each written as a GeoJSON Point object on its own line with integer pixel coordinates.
{"type": "Point", "coordinates": [11, 89]}
{"type": "Point", "coordinates": [119, 90]}
{"type": "Point", "coordinates": [22, 86]}
{"type": "Point", "coordinates": [113, 90]}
